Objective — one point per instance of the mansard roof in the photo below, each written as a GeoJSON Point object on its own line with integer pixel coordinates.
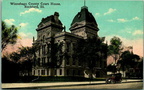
{"type": "Point", "coordinates": [51, 19]}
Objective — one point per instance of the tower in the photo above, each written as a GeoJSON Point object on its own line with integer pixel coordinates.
{"type": "Point", "coordinates": [49, 26]}
{"type": "Point", "coordinates": [84, 24]}
{"type": "Point", "coordinates": [47, 29]}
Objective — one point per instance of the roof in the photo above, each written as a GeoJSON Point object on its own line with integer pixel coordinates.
{"type": "Point", "coordinates": [84, 14]}
{"type": "Point", "coordinates": [50, 18]}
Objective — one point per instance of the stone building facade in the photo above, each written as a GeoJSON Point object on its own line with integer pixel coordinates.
{"type": "Point", "coordinates": [83, 26]}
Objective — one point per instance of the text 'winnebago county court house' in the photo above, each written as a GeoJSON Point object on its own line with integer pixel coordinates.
{"type": "Point", "coordinates": [51, 28]}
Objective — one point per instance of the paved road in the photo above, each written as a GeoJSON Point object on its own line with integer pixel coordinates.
{"type": "Point", "coordinates": [129, 83]}
{"type": "Point", "coordinates": [132, 85]}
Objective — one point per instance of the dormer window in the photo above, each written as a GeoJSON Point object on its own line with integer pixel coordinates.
{"type": "Point", "coordinates": [79, 15]}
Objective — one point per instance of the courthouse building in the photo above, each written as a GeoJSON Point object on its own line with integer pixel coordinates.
{"type": "Point", "coordinates": [83, 26]}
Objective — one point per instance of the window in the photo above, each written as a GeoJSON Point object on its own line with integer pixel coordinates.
{"type": "Point", "coordinates": [67, 72]}
{"type": "Point", "coordinates": [55, 72]}
{"type": "Point", "coordinates": [33, 72]}
{"type": "Point", "coordinates": [49, 48]}
{"type": "Point", "coordinates": [48, 60]}
{"type": "Point", "coordinates": [68, 47]}
{"type": "Point", "coordinates": [42, 72]}
{"type": "Point", "coordinates": [38, 61]}
{"type": "Point", "coordinates": [39, 51]}
{"type": "Point", "coordinates": [43, 49]}
{"type": "Point", "coordinates": [43, 61]}
{"type": "Point", "coordinates": [74, 61]}
{"type": "Point", "coordinates": [38, 72]}
{"type": "Point", "coordinates": [73, 72]}
{"type": "Point", "coordinates": [43, 39]}
{"type": "Point", "coordinates": [79, 15]}
{"type": "Point", "coordinates": [47, 71]}
{"type": "Point", "coordinates": [68, 61]}
{"type": "Point", "coordinates": [60, 71]}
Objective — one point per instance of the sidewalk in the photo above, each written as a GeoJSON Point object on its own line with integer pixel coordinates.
{"type": "Point", "coordinates": [55, 84]}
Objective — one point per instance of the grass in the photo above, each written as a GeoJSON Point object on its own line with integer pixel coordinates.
{"type": "Point", "coordinates": [44, 79]}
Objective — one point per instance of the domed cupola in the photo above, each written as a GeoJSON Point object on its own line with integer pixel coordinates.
{"type": "Point", "coordinates": [84, 15]}
{"type": "Point", "coordinates": [85, 21]}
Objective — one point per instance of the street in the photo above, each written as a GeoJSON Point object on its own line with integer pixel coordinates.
{"type": "Point", "coordinates": [126, 84]}
{"type": "Point", "coordinates": [131, 85]}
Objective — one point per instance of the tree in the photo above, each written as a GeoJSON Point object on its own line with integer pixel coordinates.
{"type": "Point", "coordinates": [140, 67]}
{"type": "Point", "coordinates": [10, 70]}
{"type": "Point", "coordinates": [111, 68]}
{"type": "Point", "coordinates": [9, 35]}
{"type": "Point", "coordinates": [56, 53]}
{"type": "Point", "coordinates": [114, 49]}
{"type": "Point", "coordinates": [125, 60]}
{"type": "Point", "coordinates": [89, 52]}
{"type": "Point", "coordinates": [128, 60]}
{"type": "Point", "coordinates": [24, 57]}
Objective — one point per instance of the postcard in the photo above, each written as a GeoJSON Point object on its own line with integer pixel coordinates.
{"type": "Point", "coordinates": [72, 44]}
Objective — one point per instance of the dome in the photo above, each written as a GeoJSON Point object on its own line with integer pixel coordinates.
{"type": "Point", "coordinates": [84, 15]}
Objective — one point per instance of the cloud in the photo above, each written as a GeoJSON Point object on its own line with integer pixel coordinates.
{"type": "Point", "coordinates": [136, 18]}
{"type": "Point", "coordinates": [97, 14]}
{"type": "Point", "coordinates": [23, 24]}
{"type": "Point", "coordinates": [24, 35]}
{"type": "Point", "coordinates": [122, 20]}
{"type": "Point", "coordinates": [110, 11]}
{"type": "Point", "coordinates": [138, 32]}
{"type": "Point", "coordinates": [127, 30]}
{"type": "Point", "coordinates": [9, 21]}
{"type": "Point", "coordinates": [31, 10]}
{"type": "Point", "coordinates": [111, 20]}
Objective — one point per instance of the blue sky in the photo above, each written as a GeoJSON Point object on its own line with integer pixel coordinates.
{"type": "Point", "coordinates": [115, 18]}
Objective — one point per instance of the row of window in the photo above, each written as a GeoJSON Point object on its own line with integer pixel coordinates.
{"type": "Point", "coordinates": [47, 72]}
{"type": "Point", "coordinates": [69, 72]}
{"type": "Point", "coordinates": [44, 51]}
{"type": "Point", "coordinates": [44, 60]}
{"type": "Point", "coordinates": [72, 62]}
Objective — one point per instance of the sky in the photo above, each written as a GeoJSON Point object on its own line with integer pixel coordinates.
{"type": "Point", "coordinates": [123, 19]}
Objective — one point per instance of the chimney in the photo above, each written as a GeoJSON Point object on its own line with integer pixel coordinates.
{"type": "Point", "coordinates": [56, 15]}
